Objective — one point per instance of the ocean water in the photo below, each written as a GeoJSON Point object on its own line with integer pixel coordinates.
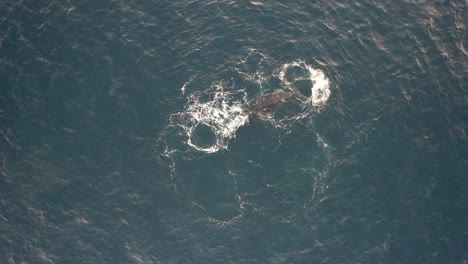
{"type": "Point", "coordinates": [126, 136]}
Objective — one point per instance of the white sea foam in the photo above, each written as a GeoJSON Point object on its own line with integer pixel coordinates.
{"type": "Point", "coordinates": [222, 113]}
{"type": "Point", "coordinates": [320, 90]}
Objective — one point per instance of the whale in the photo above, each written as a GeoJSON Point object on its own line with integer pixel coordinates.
{"type": "Point", "coordinates": [268, 102]}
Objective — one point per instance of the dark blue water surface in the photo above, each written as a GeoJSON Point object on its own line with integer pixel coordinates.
{"type": "Point", "coordinates": [125, 136]}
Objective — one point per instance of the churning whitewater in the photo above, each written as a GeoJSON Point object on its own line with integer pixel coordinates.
{"type": "Point", "coordinates": [207, 125]}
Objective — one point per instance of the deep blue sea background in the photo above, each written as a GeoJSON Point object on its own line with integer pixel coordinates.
{"type": "Point", "coordinates": [98, 99]}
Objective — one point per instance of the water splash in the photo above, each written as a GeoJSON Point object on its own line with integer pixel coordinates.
{"type": "Point", "coordinates": [298, 76]}
{"type": "Point", "coordinates": [211, 118]}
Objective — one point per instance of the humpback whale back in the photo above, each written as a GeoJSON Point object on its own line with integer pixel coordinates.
{"type": "Point", "coordinates": [267, 102]}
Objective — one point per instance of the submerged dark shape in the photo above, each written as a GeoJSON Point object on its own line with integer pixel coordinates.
{"type": "Point", "coordinates": [267, 102]}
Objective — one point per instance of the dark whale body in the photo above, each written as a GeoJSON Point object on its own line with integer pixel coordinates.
{"type": "Point", "coordinates": [267, 102]}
